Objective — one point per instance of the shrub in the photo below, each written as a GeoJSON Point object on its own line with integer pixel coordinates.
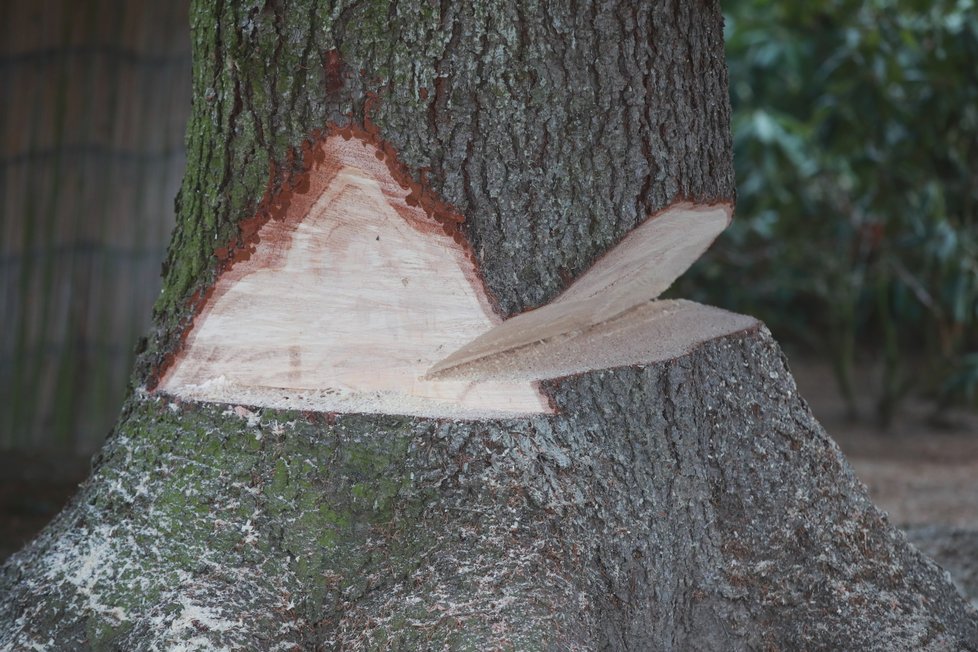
{"type": "Point", "coordinates": [856, 143]}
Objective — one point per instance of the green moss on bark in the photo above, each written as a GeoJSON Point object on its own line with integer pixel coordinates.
{"type": "Point", "coordinates": [262, 506]}
{"type": "Point", "coordinates": [690, 502]}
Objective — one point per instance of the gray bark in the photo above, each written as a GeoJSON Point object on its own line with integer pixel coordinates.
{"type": "Point", "coordinates": [693, 504]}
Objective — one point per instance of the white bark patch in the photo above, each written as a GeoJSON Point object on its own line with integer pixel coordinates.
{"type": "Point", "coordinates": [153, 576]}
{"type": "Point", "coordinates": [183, 633]}
{"type": "Point", "coordinates": [86, 564]}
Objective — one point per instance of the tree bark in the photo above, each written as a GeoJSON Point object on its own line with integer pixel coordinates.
{"type": "Point", "coordinates": [691, 504]}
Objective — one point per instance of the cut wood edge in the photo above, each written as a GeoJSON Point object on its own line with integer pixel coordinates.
{"type": "Point", "coordinates": [348, 298]}
{"type": "Point", "coordinates": [345, 302]}
{"type": "Point", "coordinates": [653, 332]}
{"type": "Point", "coordinates": [642, 266]}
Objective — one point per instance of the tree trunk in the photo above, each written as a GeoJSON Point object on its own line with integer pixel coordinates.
{"type": "Point", "coordinates": [688, 504]}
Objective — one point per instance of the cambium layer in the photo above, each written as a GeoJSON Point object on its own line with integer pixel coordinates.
{"type": "Point", "coordinates": [359, 297]}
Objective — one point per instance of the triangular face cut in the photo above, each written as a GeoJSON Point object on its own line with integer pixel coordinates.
{"type": "Point", "coordinates": [536, 344]}
{"type": "Point", "coordinates": [344, 306]}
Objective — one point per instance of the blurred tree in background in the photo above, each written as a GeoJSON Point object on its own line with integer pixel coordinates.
{"type": "Point", "coordinates": [856, 139]}
{"type": "Point", "coordinates": [94, 100]}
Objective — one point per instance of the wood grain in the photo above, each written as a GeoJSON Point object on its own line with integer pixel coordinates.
{"type": "Point", "coordinates": [566, 335]}
{"type": "Point", "coordinates": [345, 304]}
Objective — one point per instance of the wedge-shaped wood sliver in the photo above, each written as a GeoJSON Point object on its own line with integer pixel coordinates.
{"type": "Point", "coordinates": [652, 332]}
{"type": "Point", "coordinates": [584, 328]}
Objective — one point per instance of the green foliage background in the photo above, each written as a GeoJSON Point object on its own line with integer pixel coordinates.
{"type": "Point", "coordinates": [856, 140]}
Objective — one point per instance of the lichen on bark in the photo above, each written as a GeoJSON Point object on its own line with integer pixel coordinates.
{"type": "Point", "coordinates": [693, 504]}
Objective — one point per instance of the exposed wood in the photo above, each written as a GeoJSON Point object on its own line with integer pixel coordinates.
{"type": "Point", "coordinates": [344, 305]}
{"type": "Point", "coordinates": [350, 298]}
{"type": "Point", "coordinates": [636, 271]}
{"type": "Point", "coordinates": [651, 332]}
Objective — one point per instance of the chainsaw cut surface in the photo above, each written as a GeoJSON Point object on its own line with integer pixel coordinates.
{"type": "Point", "coordinates": [567, 334]}
{"type": "Point", "coordinates": [344, 305]}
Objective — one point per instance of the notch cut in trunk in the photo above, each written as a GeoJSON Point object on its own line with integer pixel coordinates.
{"type": "Point", "coordinates": [353, 300]}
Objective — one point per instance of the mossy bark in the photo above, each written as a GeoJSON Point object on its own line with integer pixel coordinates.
{"type": "Point", "coordinates": [688, 505]}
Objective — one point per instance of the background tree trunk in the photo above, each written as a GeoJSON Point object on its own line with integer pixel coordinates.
{"type": "Point", "coordinates": [95, 99]}
{"type": "Point", "coordinates": [693, 504]}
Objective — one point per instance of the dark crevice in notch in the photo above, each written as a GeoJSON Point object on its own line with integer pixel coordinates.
{"type": "Point", "coordinates": [438, 105]}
